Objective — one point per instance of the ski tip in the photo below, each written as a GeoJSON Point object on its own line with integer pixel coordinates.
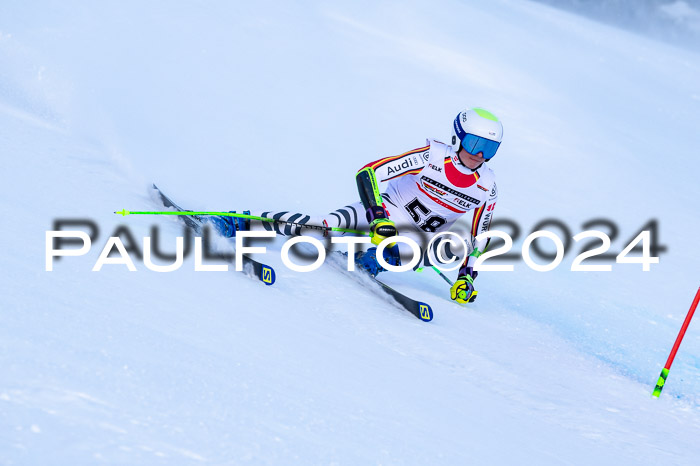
{"type": "Point", "coordinates": [122, 212]}
{"type": "Point", "coordinates": [267, 275]}
{"type": "Point", "coordinates": [425, 312]}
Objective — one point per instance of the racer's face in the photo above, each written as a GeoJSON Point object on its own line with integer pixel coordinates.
{"type": "Point", "coordinates": [471, 161]}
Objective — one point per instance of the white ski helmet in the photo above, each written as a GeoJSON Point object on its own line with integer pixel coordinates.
{"type": "Point", "coordinates": [477, 130]}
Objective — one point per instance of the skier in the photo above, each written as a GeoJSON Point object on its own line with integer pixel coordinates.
{"type": "Point", "coordinates": [428, 189]}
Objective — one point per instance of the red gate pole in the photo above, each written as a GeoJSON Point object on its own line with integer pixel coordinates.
{"type": "Point", "coordinates": [664, 372]}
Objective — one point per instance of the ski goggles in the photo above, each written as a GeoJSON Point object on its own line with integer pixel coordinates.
{"type": "Point", "coordinates": [475, 144]}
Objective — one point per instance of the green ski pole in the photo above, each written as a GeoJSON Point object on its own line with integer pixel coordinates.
{"type": "Point", "coordinates": [125, 212]}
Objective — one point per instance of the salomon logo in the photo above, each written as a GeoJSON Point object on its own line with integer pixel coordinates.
{"type": "Point", "coordinates": [267, 275]}
{"type": "Point", "coordinates": [426, 313]}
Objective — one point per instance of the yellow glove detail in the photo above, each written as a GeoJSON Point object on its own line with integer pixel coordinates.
{"type": "Point", "coordinates": [463, 290]}
{"type": "Point", "coordinates": [381, 229]}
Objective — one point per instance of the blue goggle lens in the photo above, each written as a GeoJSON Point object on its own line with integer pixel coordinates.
{"type": "Point", "coordinates": [475, 144]}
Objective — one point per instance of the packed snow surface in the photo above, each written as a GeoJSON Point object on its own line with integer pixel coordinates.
{"type": "Point", "coordinates": [275, 105]}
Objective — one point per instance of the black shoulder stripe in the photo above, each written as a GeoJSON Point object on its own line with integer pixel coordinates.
{"type": "Point", "coordinates": [336, 216]}
{"type": "Point", "coordinates": [387, 198]}
{"type": "Point", "coordinates": [346, 216]}
{"type": "Point", "coordinates": [303, 221]}
{"type": "Point", "coordinates": [288, 227]}
{"type": "Point", "coordinates": [354, 213]}
{"type": "Point", "coordinates": [278, 216]}
{"type": "Point", "coordinates": [266, 225]}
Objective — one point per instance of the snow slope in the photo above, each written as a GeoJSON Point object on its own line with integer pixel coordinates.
{"type": "Point", "coordinates": [676, 21]}
{"type": "Point", "coordinates": [275, 105]}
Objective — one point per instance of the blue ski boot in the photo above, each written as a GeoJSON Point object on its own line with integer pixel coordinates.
{"type": "Point", "coordinates": [228, 226]}
{"type": "Point", "coordinates": [368, 259]}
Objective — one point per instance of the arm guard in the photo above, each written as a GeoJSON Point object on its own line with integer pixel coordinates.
{"type": "Point", "coordinates": [368, 188]}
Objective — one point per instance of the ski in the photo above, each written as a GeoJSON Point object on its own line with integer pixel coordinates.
{"type": "Point", "coordinates": [419, 309]}
{"type": "Point", "coordinates": [264, 273]}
